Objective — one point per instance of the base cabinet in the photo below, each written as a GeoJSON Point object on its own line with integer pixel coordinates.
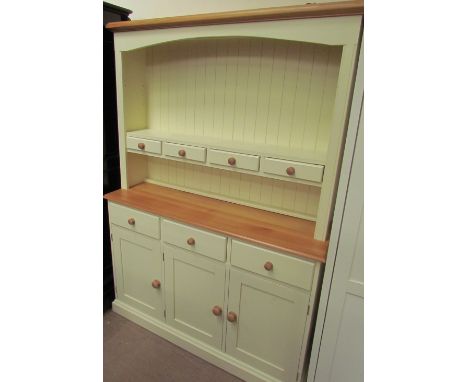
{"type": "Point", "coordinates": [240, 306]}
{"type": "Point", "coordinates": [269, 324]}
{"type": "Point", "coordinates": [194, 287]}
{"type": "Point", "coordinates": [138, 271]}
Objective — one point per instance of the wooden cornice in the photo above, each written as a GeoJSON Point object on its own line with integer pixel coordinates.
{"type": "Point", "coordinates": [343, 8]}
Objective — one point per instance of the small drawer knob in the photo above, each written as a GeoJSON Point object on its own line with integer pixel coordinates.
{"type": "Point", "coordinates": [190, 241]}
{"type": "Point", "coordinates": [131, 221]}
{"type": "Point", "coordinates": [290, 171]}
{"type": "Point", "coordinates": [217, 310]}
{"type": "Point", "coordinates": [156, 284]}
{"type": "Point", "coordinates": [232, 317]}
{"type": "Point", "coordinates": [141, 146]}
{"type": "Point", "coordinates": [268, 265]}
{"type": "Point", "coordinates": [232, 161]}
{"type": "Point", "coordinates": [182, 153]}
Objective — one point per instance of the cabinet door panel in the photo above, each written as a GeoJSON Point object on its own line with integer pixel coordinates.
{"type": "Point", "coordinates": [195, 284]}
{"type": "Point", "coordinates": [270, 324]}
{"type": "Point", "coordinates": [137, 262]}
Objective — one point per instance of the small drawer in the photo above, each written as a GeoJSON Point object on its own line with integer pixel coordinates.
{"type": "Point", "coordinates": [180, 151]}
{"type": "Point", "coordinates": [290, 169]}
{"type": "Point", "coordinates": [234, 160]}
{"type": "Point", "coordinates": [192, 239]}
{"type": "Point", "coordinates": [142, 145]}
{"type": "Point", "coordinates": [273, 265]}
{"type": "Point", "coordinates": [134, 220]}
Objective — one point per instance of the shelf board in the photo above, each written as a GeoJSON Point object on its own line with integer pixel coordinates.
{"type": "Point", "coordinates": [265, 150]}
{"type": "Point", "coordinates": [275, 231]}
{"type": "Point", "coordinates": [342, 8]}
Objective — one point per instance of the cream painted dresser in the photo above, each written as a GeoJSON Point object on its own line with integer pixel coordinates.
{"type": "Point", "coordinates": [231, 129]}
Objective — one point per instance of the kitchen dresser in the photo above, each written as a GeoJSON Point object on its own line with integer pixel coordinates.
{"type": "Point", "coordinates": [231, 132]}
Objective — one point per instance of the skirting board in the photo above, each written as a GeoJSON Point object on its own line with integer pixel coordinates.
{"type": "Point", "coordinates": [198, 348]}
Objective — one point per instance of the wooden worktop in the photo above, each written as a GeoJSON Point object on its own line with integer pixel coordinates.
{"type": "Point", "coordinates": [342, 8]}
{"type": "Point", "coordinates": [276, 231]}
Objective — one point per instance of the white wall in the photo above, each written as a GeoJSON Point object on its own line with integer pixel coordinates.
{"type": "Point", "coordinates": [147, 9]}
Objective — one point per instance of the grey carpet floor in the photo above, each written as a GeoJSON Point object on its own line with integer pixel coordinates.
{"type": "Point", "coordinates": [133, 354]}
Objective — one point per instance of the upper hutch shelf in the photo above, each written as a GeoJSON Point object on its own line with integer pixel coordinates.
{"type": "Point", "coordinates": [249, 107]}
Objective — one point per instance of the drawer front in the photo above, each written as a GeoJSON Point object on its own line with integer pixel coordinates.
{"type": "Point", "coordinates": [144, 145]}
{"type": "Point", "coordinates": [185, 151]}
{"type": "Point", "coordinates": [234, 160]}
{"type": "Point", "coordinates": [283, 267]}
{"type": "Point", "coordinates": [204, 243]}
{"type": "Point", "coordinates": [134, 220]}
{"type": "Point", "coordinates": [290, 169]}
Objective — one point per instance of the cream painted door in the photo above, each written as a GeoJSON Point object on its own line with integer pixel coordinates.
{"type": "Point", "coordinates": [194, 286]}
{"type": "Point", "coordinates": [269, 326]}
{"type": "Point", "coordinates": [137, 269]}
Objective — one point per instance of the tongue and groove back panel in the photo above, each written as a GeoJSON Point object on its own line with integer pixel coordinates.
{"type": "Point", "coordinates": [266, 92]}
{"type": "Point", "coordinates": [252, 90]}
{"type": "Point", "coordinates": [289, 198]}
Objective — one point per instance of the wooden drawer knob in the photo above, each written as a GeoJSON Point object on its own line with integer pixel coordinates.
{"type": "Point", "coordinates": [268, 265]}
{"type": "Point", "coordinates": [232, 161]}
{"type": "Point", "coordinates": [190, 241]}
{"type": "Point", "coordinates": [232, 317]}
{"type": "Point", "coordinates": [156, 284]}
{"type": "Point", "coordinates": [141, 146]}
{"type": "Point", "coordinates": [131, 221]}
{"type": "Point", "coordinates": [217, 310]}
{"type": "Point", "coordinates": [182, 153]}
{"type": "Point", "coordinates": [290, 171]}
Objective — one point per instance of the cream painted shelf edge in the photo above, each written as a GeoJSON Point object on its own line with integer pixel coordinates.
{"type": "Point", "coordinates": [198, 143]}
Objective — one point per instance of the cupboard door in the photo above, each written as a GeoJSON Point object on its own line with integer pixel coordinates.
{"type": "Point", "coordinates": [194, 287]}
{"type": "Point", "coordinates": [266, 326]}
{"type": "Point", "coordinates": [138, 271]}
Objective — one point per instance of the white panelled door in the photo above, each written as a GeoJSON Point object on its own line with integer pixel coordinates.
{"type": "Point", "coordinates": [341, 355]}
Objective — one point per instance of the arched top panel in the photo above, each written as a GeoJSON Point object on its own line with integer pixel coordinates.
{"type": "Point", "coordinates": [328, 31]}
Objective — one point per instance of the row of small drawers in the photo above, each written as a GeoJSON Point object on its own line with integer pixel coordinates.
{"type": "Point", "coordinates": [249, 257]}
{"type": "Point", "coordinates": [291, 169]}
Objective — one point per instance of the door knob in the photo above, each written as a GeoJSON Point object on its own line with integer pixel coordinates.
{"type": "Point", "coordinates": [290, 171]}
{"type": "Point", "coordinates": [217, 310]}
{"type": "Point", "coordinates": [232, 317]}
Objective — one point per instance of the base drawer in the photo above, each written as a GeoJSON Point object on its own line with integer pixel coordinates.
{"type": "Point", "coordinates": [134, 220]}
{"type": "Point", "coordinates": [192, 239]}
{"type": "Point", "coordinates": [274, 265]}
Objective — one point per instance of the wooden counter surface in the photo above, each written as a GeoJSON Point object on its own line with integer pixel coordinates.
{"type": "Point", "coordinates": [272, 230]}
{"type": "Point", "coordinates": [342, 8]}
